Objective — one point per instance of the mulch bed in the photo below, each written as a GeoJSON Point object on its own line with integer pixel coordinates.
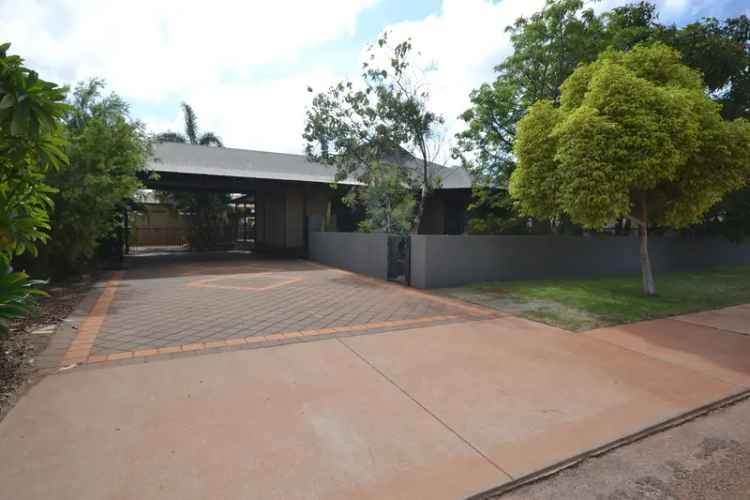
{"type": "Point", "coordinates": [19, 349]}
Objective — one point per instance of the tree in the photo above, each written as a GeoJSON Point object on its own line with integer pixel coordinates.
{"type": "Point", "coordinates": [721, 50]}
{"type": "Point", "coordinates": [31, 141]}
{"type": "Point", "coordinates": [629, 25]}
{"type": "Point", "coordinates": [485, 148]}
{"type": "Point", "coordinates": [386, 198]}
{"type": "Point", "coordinates": [107, 149]}
{"type": "Point", "coordinates": [383, 120]}
{"type": "Point", "coordinates": [547, 47]}
{"type": "Point", "coordinates": [634, 136]}
{"type": "Point", "coordinates": [192, 134]}
{"type": "Point", "coordinates": [208, 211]}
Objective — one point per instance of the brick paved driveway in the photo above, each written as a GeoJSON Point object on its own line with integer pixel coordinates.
{"type": "Point", "coordinates": [163, 306]}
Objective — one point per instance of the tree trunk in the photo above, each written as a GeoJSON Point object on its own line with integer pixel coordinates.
{"type": "Point", "coordinates": [649, 287]}
{"type": "Point", "coordinates": [420, 210]}
{"type": "Point", "coordinates": [387, 214]}
{"type": "Point", "coordinates": [423, 193]}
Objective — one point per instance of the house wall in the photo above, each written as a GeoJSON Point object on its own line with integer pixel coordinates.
{"type": "Point", "coordinates": [317, 197]}
{"type": "Point", "coordinates": [283, 211]}
{"type": "Point", "coordinates": [270, 218]}
{"type": "Point", "coordinates": [446, 260]}
{"type": "Point", "coordinates": [295, 217]}
{"type": "Point", "coordinates": [433, 218]}
{"type": "Point", "coordinates": [442, 205]}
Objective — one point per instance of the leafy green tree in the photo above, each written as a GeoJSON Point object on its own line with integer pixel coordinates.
{"type": "Point", "coordinates": [634, 136]}
{"type": "Point", "coordinates": [107, 149]}
{"type": "Point", "coordinates": [721, 50]}
{"type": "Point", "coordinates": [383, 119]}
{"type": "Point", "coordinates": [208, 211]}
{"type": "Point", "coordinates": [485, 148]}
{"type": "Point", "coordinates": [192, 134]}
{"type": "Point", "coordinates": [31, 141]}
{"type": "Point", "coordinates": [547, 47]}
{"type": "Point", "coordinates": [631, 24]}
{"type": "Point", "coordinates": [387, 200]}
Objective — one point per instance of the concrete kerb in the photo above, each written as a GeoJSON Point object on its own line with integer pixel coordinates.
{"type": "Point", "coordinates": [688, 322]}
{"type": "Point", "coordinates": [567, 463]}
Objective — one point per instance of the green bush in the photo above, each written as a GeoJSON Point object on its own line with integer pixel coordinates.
{"type": "Point", "coordinates": [31, 143]}
{"type": "Point", "coordinates": [16, 296]}
{"type": "Point", "coordinates": [106, 151]}
{"type": "Point", "coordinates": [31, 146]}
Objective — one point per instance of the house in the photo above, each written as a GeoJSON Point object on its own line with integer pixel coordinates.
{"type": "Point", "coordinates": [290, 193]}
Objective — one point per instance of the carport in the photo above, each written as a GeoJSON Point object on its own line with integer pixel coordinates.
{"type": "Point", "coordinates": [291, 194]}
{"type": "Point", "coordinates": [288, 191]}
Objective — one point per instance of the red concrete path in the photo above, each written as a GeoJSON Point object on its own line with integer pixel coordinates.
{"type": "Point", "coordinates": [442, 411]}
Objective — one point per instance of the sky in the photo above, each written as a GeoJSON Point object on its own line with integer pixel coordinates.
{"type": "Point", "coordinates": [245, 65]}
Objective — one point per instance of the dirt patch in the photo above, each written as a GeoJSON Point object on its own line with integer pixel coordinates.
{"type": "Point", "coordinates": [721, 475]}
{"type": "Point", "coordinates": [544, 311]}
{"type": "Point", "coordinates": [704, 459]}
{"type": "Point", "coordinates": [29, 336]}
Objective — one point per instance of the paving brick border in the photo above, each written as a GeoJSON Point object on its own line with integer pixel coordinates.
{"type": "Point", "coordinates": [176, 352]}
{"type": "Point", "coordinates": [209, 282]}
{"type": "Point", "coordinates": [272, 339]}
{"type": "Point", "coordinates": [78, 350]}
{"type": "Point", "coordinates": [50, 360]}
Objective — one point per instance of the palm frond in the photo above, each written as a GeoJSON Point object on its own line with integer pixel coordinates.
{"type": "Point", "coordinates": [210, 139]}
{"type": "Point", "coordinates": [171, 137]}
{"type": "Point", "coordinates": [191, 123]}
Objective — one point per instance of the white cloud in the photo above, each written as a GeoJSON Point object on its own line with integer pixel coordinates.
{"type": "Point", "coordinates": [154, 49]}
{"type": "Point", "coordinates": [464, 41]}
{"type": "Point", "coordinates": [216, 55]}
{"type": "Point", "coordinates": [267, 115]}
{"type": "Point", "coordinates": [212, 55]}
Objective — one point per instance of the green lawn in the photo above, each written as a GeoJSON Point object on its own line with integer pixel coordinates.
{"type": "Point", "coordinates": [582, 304]}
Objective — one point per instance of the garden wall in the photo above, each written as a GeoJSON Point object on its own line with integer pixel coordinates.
{"type": "Point", "coordinates": [359, 252]}
{"type": "Point", "coordinates": [443, 260]}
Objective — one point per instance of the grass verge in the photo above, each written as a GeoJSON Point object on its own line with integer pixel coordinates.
{"type": "Point", "coordinates": [582, 304]}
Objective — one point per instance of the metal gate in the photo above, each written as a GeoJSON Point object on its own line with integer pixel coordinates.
{"type": "Point", "coordinates": [399, 259]}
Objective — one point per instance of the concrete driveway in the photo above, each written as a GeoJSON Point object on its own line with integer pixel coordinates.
{"type": "Point", "coordinates": [386, 393]}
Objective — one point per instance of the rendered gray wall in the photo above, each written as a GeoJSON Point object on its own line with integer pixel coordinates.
{"type": "Point", "coordinates": [359, 252]}
{"type": "Point", "coordinates": [444, 261]}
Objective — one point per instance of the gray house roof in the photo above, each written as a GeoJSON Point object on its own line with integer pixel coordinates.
{"type": "Point", "coordinates": [245, 163]}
